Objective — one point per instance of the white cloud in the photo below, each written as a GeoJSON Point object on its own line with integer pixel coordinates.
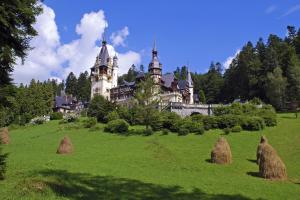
{"type": "Point", "coordinates": [127, 59]}
{"type": "Point", "coordinates": [43, 58]}
{"type": "Point", "coordinates": [119, 37]}
{"type": "Point", "coordinates": [228, 61]}
{"type": "Point", "coordinates": [271, 9]}
{"type": "Point", "coordinates": [51, 59]}
{"type": "Point", "coordinates": [291, 10]}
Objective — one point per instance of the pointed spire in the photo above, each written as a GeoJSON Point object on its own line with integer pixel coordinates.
{"type": "Point", "coordinates": [104, 36]}
{"type": "Point", "coordinates": [154, 45]}
{"type": "Point", "coordinates": [189, 77]}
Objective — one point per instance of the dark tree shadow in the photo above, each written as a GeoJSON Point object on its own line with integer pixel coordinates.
{"type": "Point", "coordinates": [208, 160]}
{"type": "Point", "coordinates": [255, 174]}
{"type": "Point", "coordinates": [85, 186]}
{"type": "Point", "coordinates": [252, 160]}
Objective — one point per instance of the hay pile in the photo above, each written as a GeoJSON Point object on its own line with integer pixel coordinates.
{"type": "Point", "coordinates": [221, 153]}
{"type": "Point", "coordinates": [65, 146]}
{"type": "Point", "coordinates": [271, 165]}
{"type": "Point", "coordinates": [263, 141]}
{"type": "Point", "coordinates": [4, 136]}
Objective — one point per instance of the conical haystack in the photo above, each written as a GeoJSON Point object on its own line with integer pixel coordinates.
{"type": "Point", "coordinates": [263, 141]}
{"type": "Point", "coordinates": [271, 165]}
{"type": "Point", "coordinates": [221, 154]}
{"type": "Point", "coordinates": [4, 136]}
{"type": "Point", "coordinates": [65, 146]}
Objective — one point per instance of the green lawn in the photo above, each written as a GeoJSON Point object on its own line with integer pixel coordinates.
{"type": "Point", "coordinates": [107, 166]}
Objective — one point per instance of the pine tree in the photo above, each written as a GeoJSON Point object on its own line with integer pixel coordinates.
{"type": "Point", "coordinates": [213, 84]}
{"type": "Point", "coordinates": [16, 30]}
{"type": "Point", "coordinates": [293, 77]}
{"type": "Point", "coordinates": [276, 88]}
{"type": "Point", "coordinates": [83, 85]}
{"type": "Point", "coordinates": [202, 98]}
{"type": "Point", "coordinates": [71, 84]}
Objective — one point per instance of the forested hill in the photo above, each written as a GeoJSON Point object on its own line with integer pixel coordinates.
{"type": "Point", "coordinates": [269, 70]}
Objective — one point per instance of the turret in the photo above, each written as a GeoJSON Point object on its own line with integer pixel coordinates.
{"type": "Point", "coordinates": [191, 86]}
{"type": "Point", "coordinates": [115, 70]}
{"type": "Point", "coordinates": [155, 67]}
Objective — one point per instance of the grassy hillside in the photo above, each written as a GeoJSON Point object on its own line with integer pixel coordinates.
{"type": "Point", "coordinates": [107, 166]}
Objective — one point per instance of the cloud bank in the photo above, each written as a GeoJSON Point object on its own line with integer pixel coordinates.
{"type": "Point", "coordinates": [52, 59]}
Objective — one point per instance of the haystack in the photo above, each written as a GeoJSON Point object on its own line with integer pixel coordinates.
{"type": "Point", "coordinates": [263, 141]}
{"type": "Point", "coordinates": [65, 146]}
{"type": "Point", "coordinates": [4, 136]}
{"type": "Point", "coordinates": [221, 154]}
{"type": "Point", "coordinates": [271, 165]}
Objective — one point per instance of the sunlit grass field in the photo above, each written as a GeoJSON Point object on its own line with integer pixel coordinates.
{"type": "Point", "coordinates": [109, 166]}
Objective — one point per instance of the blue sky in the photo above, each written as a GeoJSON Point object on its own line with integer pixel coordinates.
{"type": "Point", "coordinates": [190, 32]}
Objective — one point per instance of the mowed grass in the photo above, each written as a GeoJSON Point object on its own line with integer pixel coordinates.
{"type": "Point", "coordinates": [108, 166]}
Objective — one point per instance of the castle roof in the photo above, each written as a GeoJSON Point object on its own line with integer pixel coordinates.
{"type": "Point", "coordinates": [168, 79]}
{"type": "Point", "coordinates": [103, 55]}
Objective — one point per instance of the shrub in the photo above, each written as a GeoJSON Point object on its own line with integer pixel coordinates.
{"type": "Point", "coordinates": [253, 123]}
{"type": "Point", "coordinates": [199, 131]}
{"type": "Point", "coordinates": [210, 122]}
{"type": "Point", "coordinates": [70, 117]}
{"type": "Point", "coordinates": [156, 122]}
{"type": "Point", "coordinates": [255, 101]}
{"type": "Point", "coordinates": [236, 129]}
{"type": "Point", "coordinates": [229, 121]}
{"type": "Point", "coordinates": [194, 127]}
{"type": "Point", "coordinates": [148, 131]}
{"type": "Point", "coordinates": [169, 119]}
{"type": "Point", "coordinates": [221, 110]}
{"type": "Point", "coordinates": [124, 113]}
{"type": "Point", "coordinates": [113, 116]}
{"type": "Point", "coordinates": [197, 118]}
{"type": "Point", "coordinates": [183, 131]}
{"type": "Point", "coordinates": [38, 120]}
{"type": "Point", "coordinates": [117, 126]}
{"type": "Point", "coordinates": [227, 130]}
{"type": "Point", "coordinates": [56, 116]}
{"type": "Point", "coordinates": [165, 131]}
{"type": "Point", "coordinates": [89, 122]}
{"type": "Point", "coordinates": [269, 117]}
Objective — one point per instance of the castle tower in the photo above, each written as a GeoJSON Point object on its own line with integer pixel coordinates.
{"type": "Point", "coordinates": [104, 73]}
{"type": "Point", "coordinates": [191, 86]}
{"type": "Point", "coordinates": [155, 67]}
{"type": "Point", "coordinates": [115, 69]}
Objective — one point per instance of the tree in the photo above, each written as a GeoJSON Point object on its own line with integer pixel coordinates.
{"type": "Point", "coordinates": [202, 98]}
{"type": "Point", "coordinates": [293, 77]}
{"type": "Point", "coordinates": [84, 87]}
{"type": "Point", "coordinates": [3, 157]}
{"type": "Point", "coordinates": [213, 84]}
{"type": "Point", "coordinates": [99, 108]}
{"type": "Point", "coordinates": [276, 88]}
{"type": "Point", "coordinates": [16, 30]}
{"type": "Point", "coordinates": [130, 76]}
{"type": "Point", "coordinates": [147, 98]}
{"type": "Point", "coordinates": [71, 84]}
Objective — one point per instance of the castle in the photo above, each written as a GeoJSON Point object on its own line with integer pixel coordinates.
{"type": "Point", "coordinates": [104, 81]}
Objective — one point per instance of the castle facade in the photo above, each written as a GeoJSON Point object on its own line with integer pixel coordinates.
{"type": "Point", "coordinates": [104, 81]}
